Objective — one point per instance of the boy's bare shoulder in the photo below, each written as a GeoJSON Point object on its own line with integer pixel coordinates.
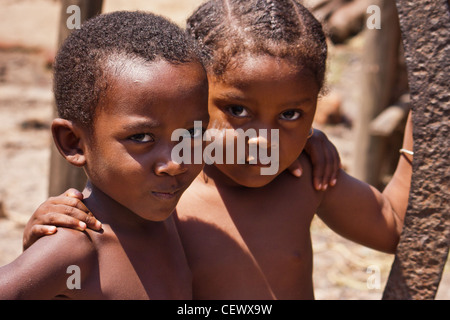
{"type": "Point", "coordinates": [80, 244]}
{"type": "Point", "coordinates": [306, 180]}
{"type": "Point", "coordinates": [40, 272]}
{"type": "Point", "coordinates": [66, 245]}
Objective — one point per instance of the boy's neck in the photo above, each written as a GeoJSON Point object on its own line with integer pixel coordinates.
{"type": "Point", "coordinates": [109, 211]}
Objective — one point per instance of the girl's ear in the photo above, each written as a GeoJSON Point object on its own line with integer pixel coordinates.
{"type": "Point", "coordinates": [68, 138]}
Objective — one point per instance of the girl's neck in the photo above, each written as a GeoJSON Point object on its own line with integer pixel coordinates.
{"type": "Point", "coordinates": [213, 177]}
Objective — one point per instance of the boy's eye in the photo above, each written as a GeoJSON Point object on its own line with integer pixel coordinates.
{"type": "Point", "coordinates": [238, 111]}
{"type": "Point", "coordinates": [142, 137]}
{"type": "Point", "coordinates": [290, 115]}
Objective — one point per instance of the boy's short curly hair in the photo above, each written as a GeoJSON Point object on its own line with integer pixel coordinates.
{"type": "Point", "coordinates": [225, 29]}
{"type": "Point", "coordinates": [79, 72]}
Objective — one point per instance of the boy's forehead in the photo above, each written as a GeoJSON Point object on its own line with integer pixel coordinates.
{"type": "Point", "coordinates": [120, 66]}
{"type": "Point", "coordinates": [121, 70]}
{"type": "Point", "coordinates": [136, 86]}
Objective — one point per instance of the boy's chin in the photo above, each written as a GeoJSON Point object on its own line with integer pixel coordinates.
{"type": "Point", "coordinates": [157, 216]}
{"type": "Point", "coordinates": [157, 211]}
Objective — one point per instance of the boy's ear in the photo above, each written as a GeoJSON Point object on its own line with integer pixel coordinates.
{"type": "Point", "coordinates": [68, 138]}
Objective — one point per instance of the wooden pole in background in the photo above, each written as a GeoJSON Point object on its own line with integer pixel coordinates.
{"type": "Point", "coordinates": [380, 63]}
{"type": "Point", "coordinates": [62, 174]}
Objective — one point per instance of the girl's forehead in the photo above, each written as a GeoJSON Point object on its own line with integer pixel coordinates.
{"type": "Point", "coordinates": [249, 68]}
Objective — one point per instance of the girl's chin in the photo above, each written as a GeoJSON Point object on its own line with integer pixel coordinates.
{"type": "Point", "coordinates": [246, 175]}
{"type": "Point", "coordinates": [253, 181]}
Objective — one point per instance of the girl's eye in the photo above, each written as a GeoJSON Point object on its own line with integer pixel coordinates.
{"type": "Point", "coordinates": [196, 132]}
{"type": "Point", "coordinates": [142, 138]}
{"type": "Point", "coordinates": [238, 111]}
{"type": "Point", "coordinates": [290, 115]}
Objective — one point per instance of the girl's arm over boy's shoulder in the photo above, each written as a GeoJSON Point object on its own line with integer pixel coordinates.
{"type": "Point", "coordinates": [361, 213]}
{"type": "Point", "coordinates": [41, 272]}
{"type": "Point", "coordinates": [67, 210]}
{"type": "Point", "coordinates": [324, 158]}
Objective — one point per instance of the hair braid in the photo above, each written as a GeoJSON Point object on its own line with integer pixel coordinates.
{"type": "Point", "coordinates": [226, 29]}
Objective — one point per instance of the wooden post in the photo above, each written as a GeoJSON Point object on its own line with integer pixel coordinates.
{"type": "Point", "coordinates": [380, 61]}
{"type": "Point", "coordinates": [62, 174]}
{"type": "Point", "coordinates": [424, 244]}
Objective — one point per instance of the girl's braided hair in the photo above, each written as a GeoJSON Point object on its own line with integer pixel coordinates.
{"type": "Point", "coordinates": [227, 29]}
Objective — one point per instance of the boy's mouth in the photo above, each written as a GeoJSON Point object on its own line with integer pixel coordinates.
{"type": "Point", "coordinates": [166, 195]}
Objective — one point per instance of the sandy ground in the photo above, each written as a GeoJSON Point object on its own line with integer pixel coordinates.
{"type": "Point", "coordinates": [28, 33]}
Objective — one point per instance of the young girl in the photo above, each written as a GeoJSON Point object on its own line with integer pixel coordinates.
{"type": "Point", "coordinates": [246, 235]}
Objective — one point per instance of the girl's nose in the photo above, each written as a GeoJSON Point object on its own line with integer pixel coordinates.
{"type": "Point", "coordinates": [258, 148]}
{"type": "Point", "coordinates": [259, 141]}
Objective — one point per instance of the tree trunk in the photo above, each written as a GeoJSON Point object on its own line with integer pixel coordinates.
{"type": "Point", "coordinates": [62, 174]}
{"type": "Point", "coordinates": [424, 243]}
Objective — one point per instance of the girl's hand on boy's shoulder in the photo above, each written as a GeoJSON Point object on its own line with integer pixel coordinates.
{"type": "Point", "coordinates": [66, 210]}
{"type": "Point", "coordinates": [325, 161]}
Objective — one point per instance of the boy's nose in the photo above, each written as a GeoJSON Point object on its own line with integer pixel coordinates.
{"type": "Point", "coordinates": [170, 168]}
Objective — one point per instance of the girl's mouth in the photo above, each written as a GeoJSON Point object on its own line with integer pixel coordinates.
{"type": "Point", "coordinates": [256, 163]}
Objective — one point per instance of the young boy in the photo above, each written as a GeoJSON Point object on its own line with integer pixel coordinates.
{"type": "Point", "coordinates": [123, 83]}
{"type": "Point", "coordinates": [246, 235]}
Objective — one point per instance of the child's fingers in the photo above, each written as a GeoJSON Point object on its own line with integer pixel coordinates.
{"type": "Point", "coordinates": [69, 201]}
{"type": "Point", "coordinates": [318, 159]}
{"type": "Point", "coordinates": [91, 222]}
{"type": "Point", "coordinates": [296, 168]}
{"type": "Point", "coordinates": [336, 167]}
{"type": "Point", "coordinates": [70, 220]}
{"type": "Point", "coordinates": [75, 208]}
{"type": "Point", "coordinates": [73, 193]}
{"type": "Point", "coordinates": [328, 169]}
{"type": "Point", "coordinates": [76, 218]}
{"type": "Point", "coordinates": [42, 230]}
{"type": "Point", "coordinates": [35, 233]}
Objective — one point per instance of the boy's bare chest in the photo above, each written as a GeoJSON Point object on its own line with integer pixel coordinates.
{"type": "Point", "coordinates": [139, 271]}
